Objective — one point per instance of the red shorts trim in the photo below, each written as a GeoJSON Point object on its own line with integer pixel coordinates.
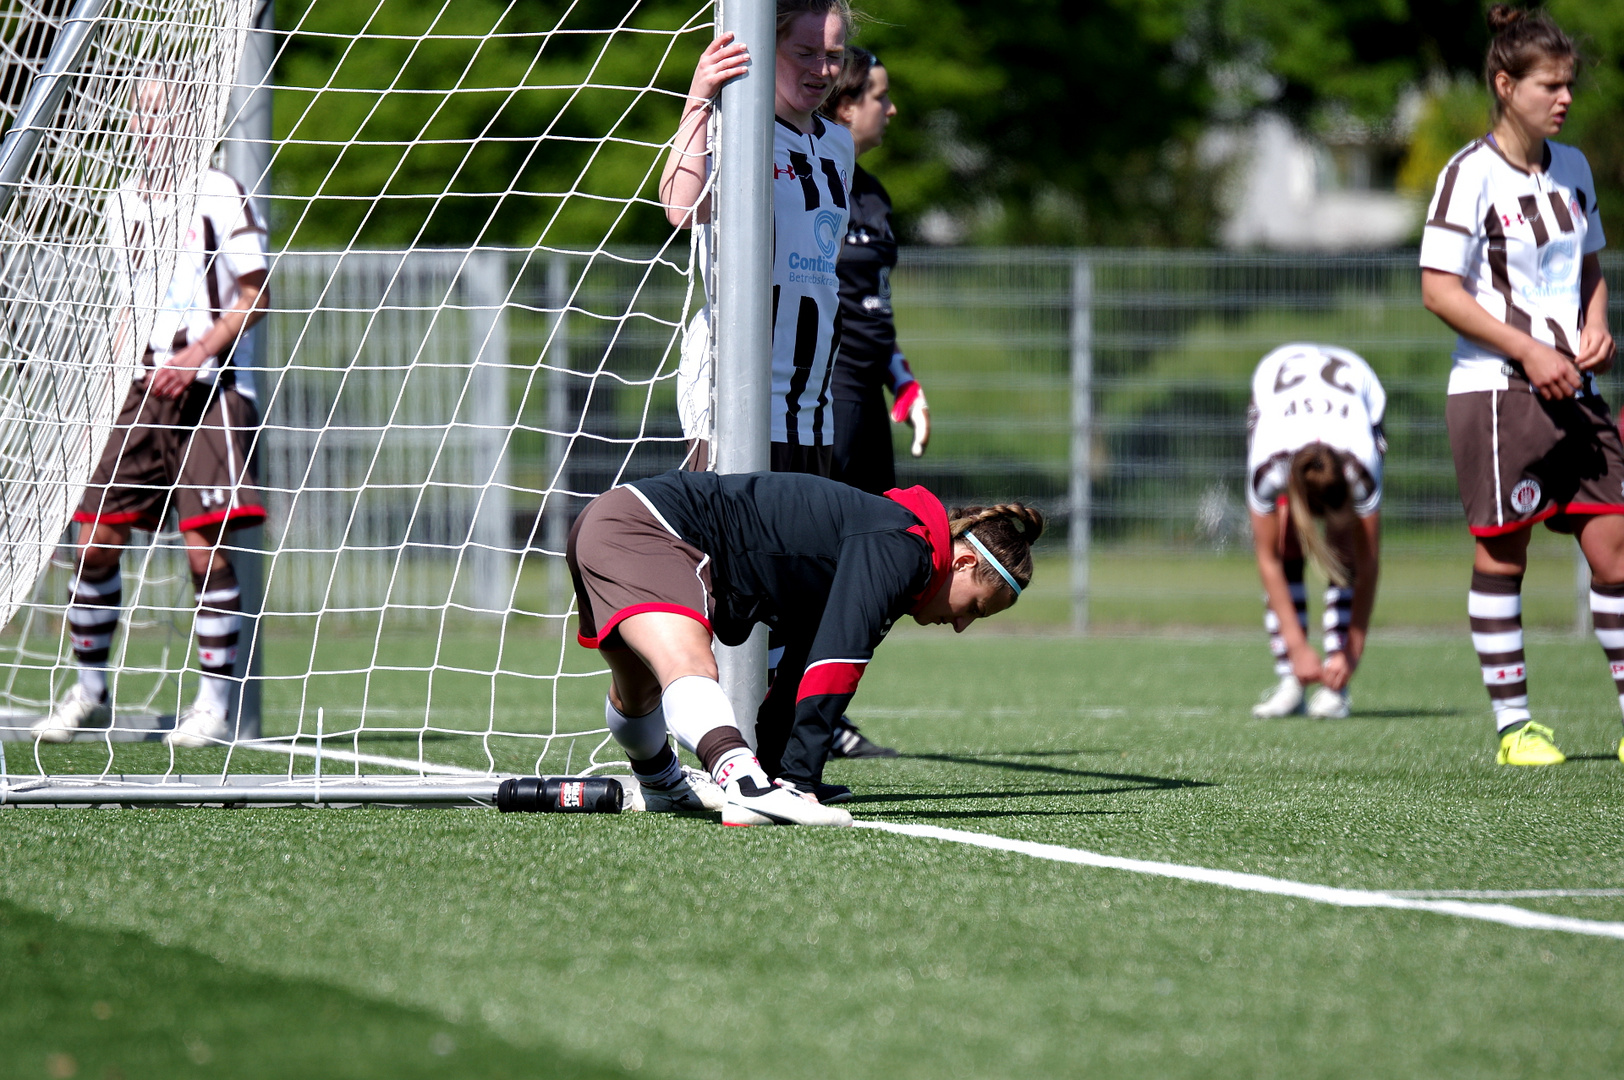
{"type": "Point", "coordinates": [830, 677]}
{"type": "Point", "coordinates": [1582, 509]}
{"type": "Point", "coordinates": [639, 609]}
{"type": "Point", "coordinates": [123, 518]}
{"type": "Point", "coordinates": [240, 518]}
{"type": "Point", "coordinates": [1513, 526]}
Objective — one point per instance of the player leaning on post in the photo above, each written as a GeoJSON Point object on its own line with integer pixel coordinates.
{"type": "Point", "coordinates": [812, 167]}
{"type": "Point", "coordinates": [184, 433]}
{"type": "Point", "coordinates": [1508, 257]}
{"type": "Point", "coordinates": [662, 564]}
{"type": "Point", "coordinates": [1314, 456]}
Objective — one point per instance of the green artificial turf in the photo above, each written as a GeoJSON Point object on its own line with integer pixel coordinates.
{"type": "Point", "coordinates": [467, 943]}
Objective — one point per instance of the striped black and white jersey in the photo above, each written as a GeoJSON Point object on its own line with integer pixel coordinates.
{"type": "Point", "coordinates": [1517, 239]}
{"type": "Point", "coordinates": [828, 567]}
{"type": "Point", "coordinates": [811, 195]}
{"type": "Point", "coordinates": [1304, 393]}
{"type": "Point", "coordinates": [222, 241]}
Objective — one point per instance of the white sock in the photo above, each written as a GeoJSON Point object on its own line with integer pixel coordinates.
{"type": "Point", "coordinates": [93, 683]}
{"type": "Point", "coordinates": [642, 737]}
{"type": "Point", "coordinates": [214, 694]}
{"type": "Point", "coordinates": [738, 763]}
{"type": "Point", "coordinates": [693, 706]}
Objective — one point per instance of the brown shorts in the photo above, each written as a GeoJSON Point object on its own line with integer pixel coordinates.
{"type": "Point", "coordinates": [625, 562]}
{"type": "Point", "coordinates": [1521, 459]}
{"type": "Point", "coordinates": [192, 453]}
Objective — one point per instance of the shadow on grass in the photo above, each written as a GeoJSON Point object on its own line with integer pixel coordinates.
{"type": "Point", "coordinates": [1146, 783]}
{"type": "Point", "coordinates": [81, 1001]}
{"type": "Point", "coordinates": [1404, 714]}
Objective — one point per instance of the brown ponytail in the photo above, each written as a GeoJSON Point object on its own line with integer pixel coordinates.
{"type": "Point", "coordinates": [1008, 530]}
{"type": "Point", "coordinates": [1318, 488]}
{"type": "Point", "coordinates": [1522, 40]}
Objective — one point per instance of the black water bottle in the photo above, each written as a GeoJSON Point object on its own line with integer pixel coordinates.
{"type": "Point", "coordinates": [560, 795]}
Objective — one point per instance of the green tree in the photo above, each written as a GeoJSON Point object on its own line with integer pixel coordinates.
{"type": "Point", "coordinates": [447, 128]}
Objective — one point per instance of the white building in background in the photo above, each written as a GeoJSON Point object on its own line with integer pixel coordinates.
{"type": "Point", "coordinates": [1288, 193]}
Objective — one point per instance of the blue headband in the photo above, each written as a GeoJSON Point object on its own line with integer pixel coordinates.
{"type": "Point", "coordinates": [996, 565]}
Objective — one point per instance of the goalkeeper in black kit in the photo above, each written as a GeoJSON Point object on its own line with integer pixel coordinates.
{"type": "Point", "coordinates": [870, 362]}
{"type": "Point", "coordinates": [662, 565]}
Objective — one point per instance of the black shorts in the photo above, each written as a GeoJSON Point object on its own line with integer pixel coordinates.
{"type": "Point", "coordinates": [625, 562]}
{"type": "Point", "coordinates": [863, 455]}
{"type": "Point", "coordinates": [1521, 459]}
{"type": "Point", "coordinates": [193, 453]}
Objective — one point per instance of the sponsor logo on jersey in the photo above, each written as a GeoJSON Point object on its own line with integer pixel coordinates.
{"type": "Point", "coordinates": [1525, 496]}
{"type": "Point", "coordinates": [826, 228]}
{"type": "Point", "coordinates": [1556, 262]}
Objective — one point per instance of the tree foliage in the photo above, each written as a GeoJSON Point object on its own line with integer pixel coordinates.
{"type": "Point", "coordinates": [1020, 121]}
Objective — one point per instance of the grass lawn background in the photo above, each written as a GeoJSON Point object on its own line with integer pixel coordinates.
{"type": "Point", "coordinates": [448, 943]}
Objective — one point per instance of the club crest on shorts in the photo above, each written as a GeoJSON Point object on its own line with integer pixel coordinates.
{"type": "Point", "coordinates": [1525, 496]}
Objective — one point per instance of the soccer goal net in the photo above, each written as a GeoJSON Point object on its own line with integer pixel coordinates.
{"type": "Point", "coordinates": [476, 308]}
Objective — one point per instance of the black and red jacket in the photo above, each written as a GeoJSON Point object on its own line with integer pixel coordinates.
{"type": "Point", "coordinates": [829, 567]}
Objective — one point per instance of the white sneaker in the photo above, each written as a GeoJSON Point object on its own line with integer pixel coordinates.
{"type": "Point", "coordinates": [696, 791]}
{"type": "Point", "coordinates": [200, 726]}
{"type": "Point", "coordinates": [1327, 704]}
{"type": "Point", "coordinates": [1286, 699]}
{"type": "Point", "coordinates": [73, 713]}
{"type": "Point", "coordinates": [780, 803]}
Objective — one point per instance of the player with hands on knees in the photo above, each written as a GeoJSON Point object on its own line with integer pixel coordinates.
{"type": "Point", "coordinates": [1510, 262]}
{"type": "Point", "coordinates": [1314, 461]}
{"type": "Point", "coordinates": [662, 565]}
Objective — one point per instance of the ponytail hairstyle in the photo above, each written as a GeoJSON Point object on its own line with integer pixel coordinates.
{"type": "Point", "coordinates": [1522, 40]}
{"type": "Point", "coordinates": [1318, 488]}
{"type": "Point", "coordinates": [790, 10]}
{"type": "Point", "coordinates": [1007, 530]}
{"type": "Point", "coordinates": [852, 82]}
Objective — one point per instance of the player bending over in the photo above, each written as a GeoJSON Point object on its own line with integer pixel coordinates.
{"type": "Point", "coordinates": [1314, 458]}
{"type": "Point", "coordinates": [663, 564]}
{"type": "Point", "coordinates": [1509, 261]}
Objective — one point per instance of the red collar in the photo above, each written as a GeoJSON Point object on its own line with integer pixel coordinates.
{"type": "Point", "coordinates": [934, 529]}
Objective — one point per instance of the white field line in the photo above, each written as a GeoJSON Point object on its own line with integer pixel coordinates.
{"type": "Point", "coordinates": [350, 757]}
{"type": "Point", "coordinates": [1504, 914]}
{"type": "Point", "coordinates": [1499, 894]}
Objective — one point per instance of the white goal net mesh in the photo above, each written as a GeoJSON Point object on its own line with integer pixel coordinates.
{"type": "Point", "coordinates": [476, 306]}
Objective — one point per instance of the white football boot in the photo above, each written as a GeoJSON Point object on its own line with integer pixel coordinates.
{"type": "Point", "coordinates": [779, 803]}
{"type": "Point", "coordinates": [696, 791]}
{"type": "Point", "coordinates": [200, 726]}
{"type": "Point", "coordinates": [1285, 699]}
{"type": "Point", "coordinates": [1327, 704]}
{"type": "Point", "coordinates": [73, 713]}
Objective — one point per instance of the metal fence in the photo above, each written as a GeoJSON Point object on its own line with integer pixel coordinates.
{"type": "Point", "coordinates": [446, 414]}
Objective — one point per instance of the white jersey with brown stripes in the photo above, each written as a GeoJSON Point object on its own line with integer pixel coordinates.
{"type": "Point", "coordinates": [1306, 393]}
{"type": "Point", "coordinates": [1517, 238]}
{"type": "Point", "coordinates": [223, 241]}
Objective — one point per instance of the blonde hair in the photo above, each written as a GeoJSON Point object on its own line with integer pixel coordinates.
{"type": "Point", "coordinates": [790, 10]}
{"type": "Point", "coordinates": [1008, 530]}
{"type": "Point", "coordinates": [1318, 488]}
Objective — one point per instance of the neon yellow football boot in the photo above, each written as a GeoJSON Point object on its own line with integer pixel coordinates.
{"type": "Point", "coordinates": [1621, 749]}
{"type": "Point", "coordinates": [1531, 744]}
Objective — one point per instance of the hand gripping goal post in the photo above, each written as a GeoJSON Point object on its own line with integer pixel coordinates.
{"type": "Point", "coordinates": [476, 308]}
